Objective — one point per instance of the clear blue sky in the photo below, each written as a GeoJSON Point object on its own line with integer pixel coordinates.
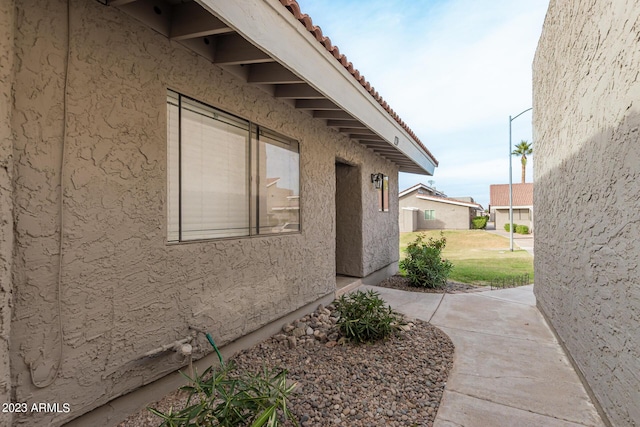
{"type": "Point", "coordinates": [453, 70]}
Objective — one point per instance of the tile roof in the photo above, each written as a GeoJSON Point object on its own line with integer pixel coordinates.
{"type": "Point", "coordinates": [421, 186]}
{"type": "Point", "coordinates": [294, 8]}
{"type": "Point", "coordinates": [522, 194]}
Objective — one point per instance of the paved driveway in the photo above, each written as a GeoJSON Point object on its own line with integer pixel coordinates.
{"type": "Point", "coordinates": [523, 241]}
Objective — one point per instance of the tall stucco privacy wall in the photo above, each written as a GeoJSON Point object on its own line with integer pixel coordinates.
{"type": "Point", "coordinates": [587, 195]}
{"type": "Point", "coordinates": [6, 200]}
{"type": "Point", "coordinates": [118, 289]}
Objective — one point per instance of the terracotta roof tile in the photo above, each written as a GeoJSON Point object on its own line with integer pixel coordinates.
{"type": "Point", "coordinates": [522, 194]}
{"type": "Point", "coordinates": [294, 8]}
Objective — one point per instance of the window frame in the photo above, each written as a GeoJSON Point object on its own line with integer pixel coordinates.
{"type": "Point", "coordinates": [432, 214]}
{"type": "Point", "coordinates": [253, 167]}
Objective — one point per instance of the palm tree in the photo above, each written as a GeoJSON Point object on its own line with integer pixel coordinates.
{"type": "Point", "coordinates": [523, 149]}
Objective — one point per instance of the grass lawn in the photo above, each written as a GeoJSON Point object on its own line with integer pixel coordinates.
{"type": "Point", "coordinates": [477, 256]}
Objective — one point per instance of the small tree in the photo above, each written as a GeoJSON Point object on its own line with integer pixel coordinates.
{"type": "Point", "coordinates": [424, 265]}
{"type": "Point", "coordinates": [480, 222]}
{"type": "Point", "coordinates": [523, 149]}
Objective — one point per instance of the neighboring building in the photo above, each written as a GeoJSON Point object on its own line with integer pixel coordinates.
{"type": "Point", "coordinates": [586, 116]}
{"type": "Point", "coordinates": [169, 167]}
{"type": "Point", "coordinates": [522, 204]}
{"type": "Point", "coordinates": [424, 208]}
{"type": "Point", "coordinates": [280, 209]}
{"type": "Point", "coordinates": [422, 190]}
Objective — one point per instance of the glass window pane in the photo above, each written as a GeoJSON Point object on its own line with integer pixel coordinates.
{"type": "Point", "coordinates": [279, 184]}
{"type": "Point", "coordinates": [215, 192]}
{"type": "Point", "coordinates": [219, 182]}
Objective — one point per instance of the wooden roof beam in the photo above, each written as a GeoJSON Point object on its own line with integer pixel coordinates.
{"type": "Point", "coordinates": [190, 20]}
{"type": "Point", "coordinates": [233, 49]}
{"type": "Point", "coordinates": [297, 91]}
{"type": "Point", "coordinates": [346, 123]}
{"type": "Point", "coordinates": [271, 73]}
{"type": "Point", "coordinates": [332, 115]}
{"type": "Point", "coordinates": [316, 104]}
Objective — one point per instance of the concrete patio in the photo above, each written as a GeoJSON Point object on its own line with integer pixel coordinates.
{"type": "Point", "coordinates": [509, 369]}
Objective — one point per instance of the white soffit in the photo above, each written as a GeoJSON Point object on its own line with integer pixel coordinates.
{"type": "Point", "coordinates": [264, 43]}
{"type": "Point", "coordinates": [306, 57]}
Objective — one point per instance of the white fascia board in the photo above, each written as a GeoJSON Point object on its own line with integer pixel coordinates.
{"type": "Point", "coordinates": [451, 202]}
{"type": "Point", "coordinates": [409, 190]}
{"type": "Point", "coordinates": [271, 27]}
{"type": "Point", "coordinates": [417, 186]}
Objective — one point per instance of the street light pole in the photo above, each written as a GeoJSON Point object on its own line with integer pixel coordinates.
{"type": "Point", "coordinates": [511, 182]}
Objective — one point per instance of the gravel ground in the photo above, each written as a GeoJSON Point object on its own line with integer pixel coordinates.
{"type": "Point", "coordinates": [402, 283]}
{"type": "Point", "coordinates": [396, 382]}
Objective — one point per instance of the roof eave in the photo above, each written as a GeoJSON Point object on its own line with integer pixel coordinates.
{"type": "Point", "coordinates": [318, 68]}
{"type": "Point", "coordinates": [450, 201]}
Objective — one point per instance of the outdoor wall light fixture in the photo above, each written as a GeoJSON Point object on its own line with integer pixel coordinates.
{"type": "Point", "coordinates": [376, 179]}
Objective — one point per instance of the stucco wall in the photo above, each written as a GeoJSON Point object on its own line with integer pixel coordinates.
{"type": "Point", "coordinates": [380, 245]}
{"type": "Point", "coordinates": [6, 199]}
{"type": "Point", "coordinates": [448, 216]}
{"type": "Point", "coordinates": [349, 220]}
{"type": "Point", "coordinates": [124, 290]}
{"type": "Point", "coordinates": [586, 125]}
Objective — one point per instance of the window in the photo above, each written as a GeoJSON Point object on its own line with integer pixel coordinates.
{"type": "Point", "coordinates": [383, 195]}
{"type": "Point", "coordinates": [227, 177]}
{"type": "Point", "coordinates": [429, 214]}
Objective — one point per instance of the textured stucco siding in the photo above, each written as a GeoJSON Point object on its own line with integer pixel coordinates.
{"type": "Point", "coordinates": [124, 290]}
{"type": "Point", "coordinates": [348, 220]}
{"type": "Point", "coordinates": [587, 194]}
{"type": "Point", "coordinates": [361, 250]}
{"type": "Point", "coordinates": [380, 245]}
{"type": "Point", "coordinates": [448, 216]}
{"type": "Point", "coordinates": [6, 197]}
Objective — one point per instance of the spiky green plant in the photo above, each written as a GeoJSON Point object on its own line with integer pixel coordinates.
{"type": "Point", "coordinates": [228, 398]}
{"type": "Point", "coordinates": [365, 317]}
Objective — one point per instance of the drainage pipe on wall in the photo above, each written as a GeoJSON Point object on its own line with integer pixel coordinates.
{"type": "Point", "coordinates": [178, 346]}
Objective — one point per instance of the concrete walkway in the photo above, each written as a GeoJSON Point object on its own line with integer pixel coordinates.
{"type": "Point", "coordinates": [509, 369]}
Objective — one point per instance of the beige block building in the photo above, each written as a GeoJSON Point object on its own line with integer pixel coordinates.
{"type": "Point", "coordinates": [424, 208]}
{"type": "Point", "coordinates": [173, 167]}
{"type": "Point", "coordinates": [586, 116]}
{"type": "Point", "coordinates": [522, 204]}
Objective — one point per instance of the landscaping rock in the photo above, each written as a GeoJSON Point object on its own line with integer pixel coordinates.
{"type": "Point", "coordinates": [395, 382]}
{"type": "Point", "coordinates": [402, 283]}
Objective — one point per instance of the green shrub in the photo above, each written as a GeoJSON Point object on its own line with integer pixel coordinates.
{"type": "Point", "coordinates": [506, 227]}
{"type": "Point", "coordinates": [364, 317]}
{"type": "Point", "coordinates": [522, 229]}
{"type": "Point", "coordinates": [424, 265]}
{"type": "Point", "coordinates": [227, 398]}
{"type": "Point", "coordinates": [480, 222]}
